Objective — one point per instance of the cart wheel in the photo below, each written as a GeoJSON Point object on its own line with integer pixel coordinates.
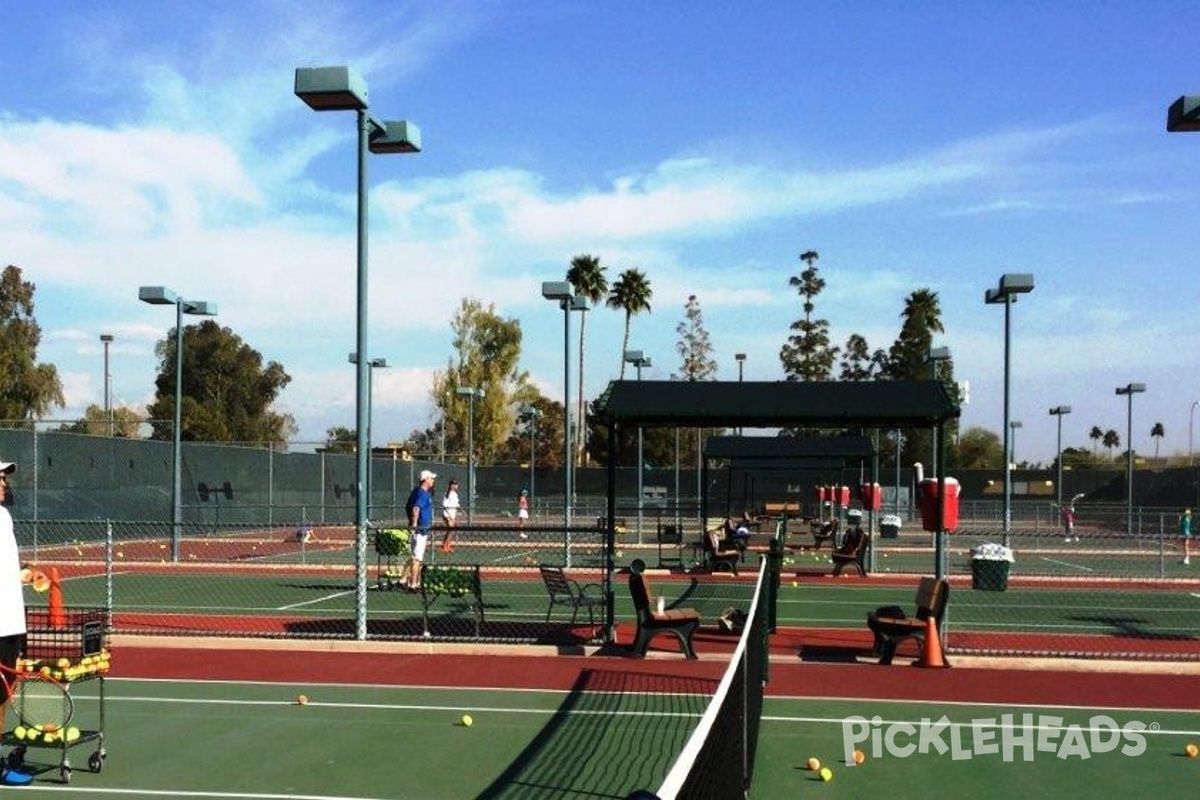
{"type": "Point", "coordinates": [65, 773]}
{"type": "Point", "coordinates": [16, 758]}
{"type": "Point", "coordinates": [96, 761]}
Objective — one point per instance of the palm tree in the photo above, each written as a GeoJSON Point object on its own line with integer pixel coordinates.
{"type": "Point", "coordinates": [1095, 435]}
{"type": "Point", "coordinates": [1111, 439]}
{"type": "Point", "coordinates": [1157, 432]}
{"type": "Point", "coordinates": [631, 294]}
{"type": "Point", "coordinates": [587, 280]}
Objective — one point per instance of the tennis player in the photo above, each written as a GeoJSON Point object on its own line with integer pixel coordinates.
{"type": "Point", "coordinates": [420, 520]}
{"type": "Point", "coordinates": [12, 612]}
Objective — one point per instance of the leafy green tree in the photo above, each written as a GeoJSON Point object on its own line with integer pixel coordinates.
{"type": "Point", "coordinates": [227, 391]}
{"type": "Point", "coordinates": [27, 389]}
{"type": "Point", "coordinates": [977, 448]}
{"type": "Point", "coordinates": [630, 294]}
{"type": "Point", "coordinates": [1157, 432]}
{"type": "Point", "coordinates": [587, 279]}
{"type": "Point", "coordinates": [807, 355]}
{"type": "Point", "coordinates": [546, 432]}
{"type": "Point", "coordinates": [126, 423]}
{"type": "Point", "coordinates": [922, 317]}
{"type": "Point", "coordinates": [488, 352]}
{"type": "Point", "coordinates": [694, 345]}
{"type": "Point", "coordinates": [859, 363]}
{"type": "Point", "coordinates": [341, 440]}
{"type": "Point", "coordinates": [1111, 439]}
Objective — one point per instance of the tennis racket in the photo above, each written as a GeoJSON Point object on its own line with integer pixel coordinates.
{"type": "Point", "coordinates": [42, 703]}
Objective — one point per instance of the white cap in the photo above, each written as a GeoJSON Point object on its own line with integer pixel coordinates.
{"type": "Point", "coordinates": [426, 475]}
{"type": "Point", "coordinates": [854, 512]}
{"type": "Point", "coordinates": [7, 467]}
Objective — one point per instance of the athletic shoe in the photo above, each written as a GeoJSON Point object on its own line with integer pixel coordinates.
{"type": "Point", "coordinates": [1187, 562]}
{"type": "Point", "coordinates": [13, 777]}
{"type": "Point", "coordinates": [524, 535]}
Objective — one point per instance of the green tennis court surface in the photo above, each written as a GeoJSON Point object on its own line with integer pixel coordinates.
{"type": "Point", "coordinates": [612, 733]}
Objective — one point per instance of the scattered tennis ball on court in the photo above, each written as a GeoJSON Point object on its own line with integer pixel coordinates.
{"type": "Point", "coordinates": [859, 757]}
{"type": "Point", "coordinates": [620, 554]}
{"type": "Point", "coordinates": [1191, 750]}
{"type": "Point", "coordinates": [301, 699]}
{"type": "Point", "coordinates": [120, 554]}
{"type": "Point", "coordinates": [826, 774]}
{"type": "Point", "coordinates": [814, 764]}
{"type": "Point", "coordinates": [467, 721]}
{"type": "Point", "coordinates": [794, 584]}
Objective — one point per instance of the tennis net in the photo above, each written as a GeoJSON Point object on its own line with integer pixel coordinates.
{"type": "Point", "coordinates": [718, 760]}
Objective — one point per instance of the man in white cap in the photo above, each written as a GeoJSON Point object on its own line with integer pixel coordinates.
{"type": "Point", "coordinates": [12, 614]}
{"type": "Point", "coordinates": [420, 520]}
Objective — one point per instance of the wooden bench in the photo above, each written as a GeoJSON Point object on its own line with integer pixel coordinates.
{"type": "Point", "coordinates": [891, 626]}
{"type": "Point", "coordinates": [718, 555]}
{"type": "Point", "coordinates": [679, 622]}
{"type": "Point", "coordinates": [564, 591]}
{"type": "Point", "coordinates": [790, 508]}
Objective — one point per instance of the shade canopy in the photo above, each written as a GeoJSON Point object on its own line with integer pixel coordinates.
{"type": "Point", "coordinates": [779, 404]}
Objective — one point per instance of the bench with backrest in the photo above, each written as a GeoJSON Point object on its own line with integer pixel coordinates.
{"type": "Point", "coordinates": [853, 552]}
{"type": "Point", "coordinates": [718, 554]}
{"type": "Point", "coordinates": [679, 622]}
{"type": "Point", "coordinates": [891, 626]}
{"type": "Point", "coordinates": [569, 593]}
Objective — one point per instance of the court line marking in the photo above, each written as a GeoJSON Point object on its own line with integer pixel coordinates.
{"type": "Point", "coordinates": [90, 790]}
{"type": "Point", "coordinates": [976, 704]}
{"type": "Point", "coordinates": [1067, 564]}
{"type": "Point", "coordinates": [334, 596]}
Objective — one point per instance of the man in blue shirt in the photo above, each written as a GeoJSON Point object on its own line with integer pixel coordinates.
{"type": "Point", "coordinates": [420, 520]}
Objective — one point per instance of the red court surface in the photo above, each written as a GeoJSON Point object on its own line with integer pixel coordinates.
{"type": "Point", "coordinates": [1046, 682]}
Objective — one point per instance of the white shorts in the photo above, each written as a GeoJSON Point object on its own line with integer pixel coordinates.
{"type": "Point", "coordinates": [523, 513]}
{"type": "Point", "coordinates": [419, 540]}
{"type": "Point", "coordinates": [449, 514]}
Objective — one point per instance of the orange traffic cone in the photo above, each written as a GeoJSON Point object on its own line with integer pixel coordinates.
{"type": "Point", "coordinates": [58, 613]}
{"type": "Point", "coordinates": [931, 649]}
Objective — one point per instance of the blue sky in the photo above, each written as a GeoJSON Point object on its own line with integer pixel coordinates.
{"type": "Point", "coordinates": [913, 145]}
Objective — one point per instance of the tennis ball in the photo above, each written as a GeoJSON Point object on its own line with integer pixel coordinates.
{"type": "Point", "coordinates": [794, 584]}
{"type": "Point", "coordinates": [619, 554]}
{"type": "Point", "coordinates": [19, 732]}
{"type": "Point", "coordinates": [1191, 750]}
{"type": "Point", "coordinates": [467, 721]}
{"type": "Point", "coordinates": [826, 774]}
{"type": "Point", "coordinates": [814, 764]}
{"type": "Point", "coordinates": [859, 757]}
{"type": "Point", "coordinates": [73, 734]}
{"type": "Point", "coordinates": [301, 699]}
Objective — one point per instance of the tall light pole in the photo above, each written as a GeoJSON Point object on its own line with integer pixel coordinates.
{"type": "Point", "coordinates": [1129, 390]}
{"type": "Point", "coordinates": [639, 360]}
{"type": "Point", "coordinates": [471, 393]}
{"type": "Point", "coordinates": [107, 338]}
{"type": "Point", "coordinates": [343, 89]}
{"type": "Point", "coordinates": [529, 410]}
{"type": "Point", "coordinates": [1011, 284]}
{"type": "Point", "coordinates": [374, 364]}
{"type": "Point", "coordinates": [162, 296]}
{"type": "Point", "coordinates": [740, 358]}
{"type": "Point", "coordinates": [1012, 442]}
{"type": "Point", "coordinates": [1059, 411]}
{"type": "Point", "coordinates": [560, 292]}
{"type": "Point", "coordinates": [933, 358]}
{"type": "Point", "coordinates": [1191, 420]}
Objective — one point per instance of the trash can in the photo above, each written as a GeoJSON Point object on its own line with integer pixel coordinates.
{"type": "Point", "coordinates": [889, 526]}
{"type": "Point", "coordinates": [989, 567]}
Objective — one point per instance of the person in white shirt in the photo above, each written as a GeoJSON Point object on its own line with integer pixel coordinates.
{"type": "Point", "coordinates": [450, 506]}
{"type": "Point", "coordinates": [12, 614]}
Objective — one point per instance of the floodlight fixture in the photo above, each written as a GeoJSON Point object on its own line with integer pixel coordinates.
{"type": "Point", "coordinates": [1183, 116]}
